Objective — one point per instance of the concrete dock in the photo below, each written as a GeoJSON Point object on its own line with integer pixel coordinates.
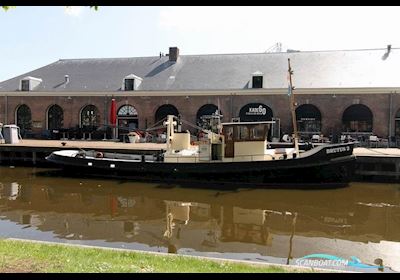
{"type": "Point", "coordinates": [381, 164]}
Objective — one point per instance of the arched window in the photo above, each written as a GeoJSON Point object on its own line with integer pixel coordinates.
{"type": "Point", "coordinates": [55, 117]}
{"type": "Point", "coordinates": [127, 118]}
{"type": "Point", "coordinates": [308, 118]}
{"type": "Point", "coordinates": [357, 118]}
{"type": "Point", "coordinates": [255, 112]}
{"type": "Point", "coordinates": [127, 111]}
{"type": "Point", "coordinates": [207, 109]}
{"type": "Point", "coordinates": [165, 110]}
{"type": "Point", "coordinates": [203, 112]}
{"type": "Point", "coordinates": [24, 117]}
{"type": "Point", "coordinates": [397, 124]}
{"type": "Point", "coordinates": [90, 116]}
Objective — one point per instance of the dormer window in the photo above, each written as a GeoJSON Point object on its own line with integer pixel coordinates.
{"type": "Point", "coordinates": [29, 83]}
{"type": "Point", "coordinates": [131, 82]}
{"type": "Point", "coordinates": [25, 85]}
{"type": "Point", "coordinates": [257, 80]}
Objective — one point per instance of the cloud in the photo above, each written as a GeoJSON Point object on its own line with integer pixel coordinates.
{"type": "Point", "coordinates": [74, 11]}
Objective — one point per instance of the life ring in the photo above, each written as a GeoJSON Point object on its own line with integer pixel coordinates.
{"type": "Point", "coordinates": [99, 155]}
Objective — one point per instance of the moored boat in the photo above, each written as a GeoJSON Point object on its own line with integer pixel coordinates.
{"type": "Point", "coordinates": [240, 153]}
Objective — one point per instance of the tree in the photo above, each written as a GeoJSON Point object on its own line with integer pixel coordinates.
{"type": "Point", "coordinates": [7, 7]}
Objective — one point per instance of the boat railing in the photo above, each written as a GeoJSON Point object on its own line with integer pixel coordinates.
{"type": "Point", "coordinates": [196, 159]}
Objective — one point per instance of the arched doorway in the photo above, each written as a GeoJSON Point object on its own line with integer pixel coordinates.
{"type": "Point", "coordinates": [308, 118]}
{"type": "Point", "coordinates": [55, 117]}
{"type": "Point", "coordinates": [255, 112]}
{"type": "Point", "coordinates": [357, 118]}
{"type": "Point", "coordinates": [127, 119]}
{"type": "Point", "coordinates": [206, 110]}
{"type": "Point", "coordinates": [164, 110]}
{"type": "Point", "coordinates": [23, 117]}
{"type": "Point", "coordinates": [90, 117]}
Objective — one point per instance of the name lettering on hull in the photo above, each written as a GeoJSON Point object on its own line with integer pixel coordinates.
{"type": "Point", "coordinates": [338, 150]}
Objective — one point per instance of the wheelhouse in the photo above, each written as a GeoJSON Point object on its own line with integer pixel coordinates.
{"type": "Point", "coordinates": [245, 136]}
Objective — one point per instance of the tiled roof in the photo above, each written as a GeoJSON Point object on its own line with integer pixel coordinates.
{"type": "Point", "coordinates": [316, 69]}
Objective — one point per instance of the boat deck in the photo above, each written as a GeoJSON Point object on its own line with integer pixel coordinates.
{"type": "Point", "coordinates": [86, 145]}
{"type": "Point", "coordinates": [34, 152]}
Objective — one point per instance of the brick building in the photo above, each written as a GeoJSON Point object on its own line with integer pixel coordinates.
{"type": "Point", "coordinates": [352, 91]}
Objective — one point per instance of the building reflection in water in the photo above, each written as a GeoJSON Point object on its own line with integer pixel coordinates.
{"type": "Point", "coordinates": [271, 223]}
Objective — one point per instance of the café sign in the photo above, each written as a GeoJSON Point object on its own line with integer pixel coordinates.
{"type": "Point", "coordinates": [255, 112]}
{"type": "Point", "coordinates": [260, 110]}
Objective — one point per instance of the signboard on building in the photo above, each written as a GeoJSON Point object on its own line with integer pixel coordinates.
{"type": "Point", "coordinates": [254, 112]}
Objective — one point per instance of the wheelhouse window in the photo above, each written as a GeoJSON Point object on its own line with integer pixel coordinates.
{"type": "Point", "coordinates": [246, 132]}
{"type": "Point", "coordinates": [257, 132]}
{"type": "Point", "coordinates": [257, 81]}
{"type": "Point", "coordinates": [242, 133]}
{"type": "Point", "coordinates": [129, 84]}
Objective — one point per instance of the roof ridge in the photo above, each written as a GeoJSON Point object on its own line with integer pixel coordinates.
{"type": "Point", "coordinates": [106, 58]}
{"type": "Point", "coordinates": [226, 54]}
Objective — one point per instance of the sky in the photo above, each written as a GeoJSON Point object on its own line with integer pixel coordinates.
{"type": "Point", "coordinates": [32, 37]}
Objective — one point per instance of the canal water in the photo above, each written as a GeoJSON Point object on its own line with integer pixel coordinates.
{"type": "Point", "coordinates": [265, 225]}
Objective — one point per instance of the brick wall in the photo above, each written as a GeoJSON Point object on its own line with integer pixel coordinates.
{"type": "Point", "coordinates": [331, 107]}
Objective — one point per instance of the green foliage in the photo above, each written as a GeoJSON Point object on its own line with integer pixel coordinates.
{"type": "Point", "coordinates": [22, 256]}
{"type": "Point", "coordinates": [5, 8]}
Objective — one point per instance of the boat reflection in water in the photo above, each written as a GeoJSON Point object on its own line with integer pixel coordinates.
{"type": "Point", "coordinates": [275, 225]}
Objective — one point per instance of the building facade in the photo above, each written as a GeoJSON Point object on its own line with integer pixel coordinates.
{"type": "Point", "coordinates": [336, 92]}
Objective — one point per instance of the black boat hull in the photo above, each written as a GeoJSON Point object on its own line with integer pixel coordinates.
{"type": "Point", "coordinates": [332, 164]}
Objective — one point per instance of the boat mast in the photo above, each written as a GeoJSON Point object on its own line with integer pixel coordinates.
{"type": "Point", "coordinates": [170, 123]}
{"type": "Point", "coordinates": [292, 108]}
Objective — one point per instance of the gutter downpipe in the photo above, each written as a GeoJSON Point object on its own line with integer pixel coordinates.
{"type": "Point", "coordinates": [390, 114]}
{"type": "Point", "coordinates": [6, 109]}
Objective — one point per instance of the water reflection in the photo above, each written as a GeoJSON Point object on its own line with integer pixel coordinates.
{"type": "Point", "coordinates": [362, 220]}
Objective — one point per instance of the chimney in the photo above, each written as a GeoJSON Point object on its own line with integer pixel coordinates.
{"type": "Point", "coordinates": [66, 79]}
{"type": "Point", "coordinates": [173, 54]}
